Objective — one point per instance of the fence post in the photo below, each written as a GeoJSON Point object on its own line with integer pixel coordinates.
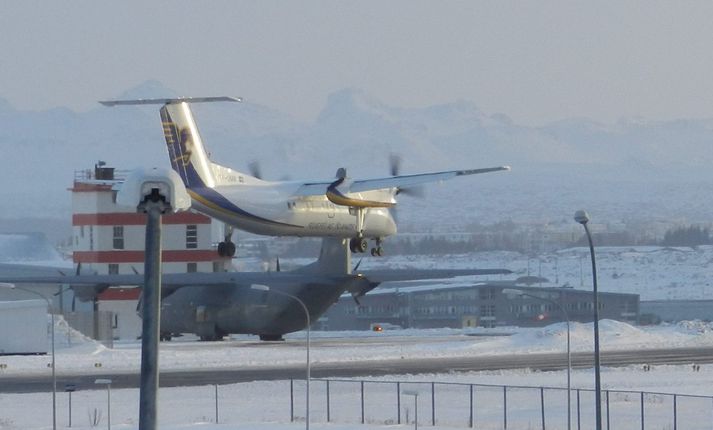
{"type": "Point", "coordinates": [362, 402]}
{"type": "Point", "coordinates": [398, 402]}
{"type": "Point", "coordinates": [216, 403]}
{"type": "Point", "coordinates": [471, 406]}
{"type": "Point", "coordinates": [542, 406]}
{"type": "Point", "coordinates": [642, 410]}
{"type": "Point", "coordinates": [433, 403]}
{"type": "Point", "coordinates": [608, 427]}
{"type": "Point", "coordinates": [579, 413]}
{"type": "Point", "coordinates": [328, 414]}
{"type": "Point", "coordinates": [675, 415]}
{"type": "Point", "coordinates": [505, 407]}
{"type": "Point", "coordinates": [292, 400]}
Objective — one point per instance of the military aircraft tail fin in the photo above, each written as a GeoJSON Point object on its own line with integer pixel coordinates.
{"type": "Point", "coordinates": [334, 258]}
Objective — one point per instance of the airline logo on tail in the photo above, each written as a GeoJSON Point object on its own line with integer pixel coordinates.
{"type": "Point", "coordinates": [180, 144]}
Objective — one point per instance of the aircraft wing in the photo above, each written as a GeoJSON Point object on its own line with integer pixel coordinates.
{"type": "Point", "coordinates": [418, 179]}
{"type": "Point", "coordinates": [401, 181]}
{"type": "Point", "coordinates": [169, 280]}
{"type": "Point", "coordinates": [391, 275]}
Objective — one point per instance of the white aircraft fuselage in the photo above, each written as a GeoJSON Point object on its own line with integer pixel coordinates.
{"type": "Point", "coordinates": [271, 208]}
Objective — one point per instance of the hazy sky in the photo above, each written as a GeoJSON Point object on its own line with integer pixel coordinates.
{"type": "Point", "coordinates": [535, 61]}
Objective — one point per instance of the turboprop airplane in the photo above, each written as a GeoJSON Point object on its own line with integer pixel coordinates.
{"type": "Point", "coordinates": [341, 207]}
{"type": "Point", "coordinates": [212, 305]}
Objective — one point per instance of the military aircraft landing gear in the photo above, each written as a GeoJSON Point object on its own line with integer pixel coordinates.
{"type": "Point", "coordinates": [227, 247]}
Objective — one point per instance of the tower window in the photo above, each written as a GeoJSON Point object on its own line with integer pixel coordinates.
{"type": "Point", "coordinates": [191, 236]}
{"type": "Point", "coordinates": [118, 237]}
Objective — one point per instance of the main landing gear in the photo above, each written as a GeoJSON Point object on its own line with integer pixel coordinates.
{"type": "Point", "coordinates": [360, 245]}
{"type": "Point", "coordinates": [227, 247]}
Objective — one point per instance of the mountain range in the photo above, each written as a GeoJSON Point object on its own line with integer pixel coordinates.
{"type": "Point", "coordinates": [624, 169]}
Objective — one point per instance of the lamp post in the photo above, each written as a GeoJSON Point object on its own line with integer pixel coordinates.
{"type": "Point", "coordinates": [569, 350]}
{"type": "Point", "coordinates": [54, 373]}
{"type": "Point", "coordinates": [583, 218]}
{"type": "Point", "coordinates": [106, 382]}
{"type": "Point", "coordinates": [261, 287]}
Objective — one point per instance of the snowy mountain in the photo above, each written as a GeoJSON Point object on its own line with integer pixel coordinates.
{"type": "Point", "coordinates": [618, 170]}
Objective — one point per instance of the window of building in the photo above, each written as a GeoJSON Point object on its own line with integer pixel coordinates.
{"type": "Point", "coordinates": [191, 267]}
{"type": "Point", "coordinates": [486, 294]}
{"type": "Point", "coordinates": [487, 310]}
{"type": "Point", "coordinates": [118, 237]}
{"type": "Point", "coordinates": [218, 266]}
{"type": "Point", "coordinates": [113, 269]}
{"type": "Point", "coordinates": [191, 236]}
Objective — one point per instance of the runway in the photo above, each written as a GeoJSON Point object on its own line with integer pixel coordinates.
{"type": "Point", "coordinates": [363, 368]}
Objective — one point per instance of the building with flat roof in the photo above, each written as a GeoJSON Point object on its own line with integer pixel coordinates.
{"type": "Point", "coordinates": [475, 304]}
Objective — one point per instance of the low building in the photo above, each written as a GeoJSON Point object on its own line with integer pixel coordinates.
{"type": "Point", "coordinates": [479, 304]}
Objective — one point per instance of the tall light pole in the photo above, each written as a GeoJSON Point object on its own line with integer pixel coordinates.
{"type": "Point", "coordinates": [54, 373]}
{"type": "Point", "coordinates": [261, 287]}
{"type": "Point", "coordinates": [569, 350]}
{"type": "Point", "coordinates": [582, 218]}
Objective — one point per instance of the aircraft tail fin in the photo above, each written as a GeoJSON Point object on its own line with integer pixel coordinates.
{"type": "Point", "coordinates": [334, 258]}
{"type": "Point", "coordinates": [185, 148]}
{"type": "Point", "coordinates": [186, 152]}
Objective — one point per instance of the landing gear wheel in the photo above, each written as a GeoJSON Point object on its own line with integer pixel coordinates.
{"type": "Point", "coordinates": [377, 252]}
{"type": "Point", "coordinates": [165, 337]}
{"type": "Point", "coordinates": [358, 244]}
{"type": "Point", "coordinates": [230, 249]}
{"type": "Point", "coordinates": [226, 249]}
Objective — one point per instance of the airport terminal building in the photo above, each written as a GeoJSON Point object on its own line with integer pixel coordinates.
{"type": "Point", "coordinates": [475, 304]}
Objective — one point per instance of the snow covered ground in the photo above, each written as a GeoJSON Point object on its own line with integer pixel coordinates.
{"type": "Point", "coordinates": [653, 272]}
{"type": "Point", "coordinates": [266, 404]}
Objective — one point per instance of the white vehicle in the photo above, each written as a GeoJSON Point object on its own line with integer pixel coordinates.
{"type": "Point", "coordinates": [356, 209]}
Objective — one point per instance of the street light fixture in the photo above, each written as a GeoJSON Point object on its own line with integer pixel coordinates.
{"type": "Point", "coordinates": [54, 373]}
{"type": "Point", "coordinates": [106, 382]}
{"type": "Point", "coordinates": [583, 218]}
{"type": "Point", "coordinates": [260, 287]}
{"type": "Point", "coordinates": [569, 350]}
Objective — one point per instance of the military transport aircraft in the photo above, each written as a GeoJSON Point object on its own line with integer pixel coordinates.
{"type": "Point", "coordinates": [213, 305]}
{"type": "Point", "coordinates": [341, 207]}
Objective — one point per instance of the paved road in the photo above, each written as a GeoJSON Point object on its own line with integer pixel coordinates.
{"type": "Point", "coordinates": [549, 361]}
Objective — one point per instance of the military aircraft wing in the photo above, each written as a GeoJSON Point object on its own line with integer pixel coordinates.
{"type": "Point", "coordinates": [171, 280]}
{"type": "Point", "coordinates": [400, 181]}
{"type": "Point", "coordinates": [393, 275]}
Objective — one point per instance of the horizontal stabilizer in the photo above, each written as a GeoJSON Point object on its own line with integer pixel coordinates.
{"type": "Point", "coordinates": [170, 101]}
